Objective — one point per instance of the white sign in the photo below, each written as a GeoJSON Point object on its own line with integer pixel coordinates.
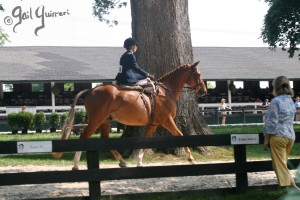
{"type": "Point", "coordinates": [34, 147]}
{"type": "Point", "coordinates": [244, 138]}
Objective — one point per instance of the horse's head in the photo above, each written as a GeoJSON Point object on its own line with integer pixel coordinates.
{"type": "Point", "coordinates": [195, 80]}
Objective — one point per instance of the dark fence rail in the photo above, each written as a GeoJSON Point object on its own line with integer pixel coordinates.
{"type": "Point", "coordinates": [94, 175]}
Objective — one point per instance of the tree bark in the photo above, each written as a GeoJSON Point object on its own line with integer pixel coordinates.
{"type": "Point", "coordinates": [162, 29]}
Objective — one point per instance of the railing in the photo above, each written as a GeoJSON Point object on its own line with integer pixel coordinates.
{"type": "Point", "coordinates": [4, 111]}
{"type": "Point", "coordinates": [244, 112]}
{"type": "Point", "coordinates": [93, 175]}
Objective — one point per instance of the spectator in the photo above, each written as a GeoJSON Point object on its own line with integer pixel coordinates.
{"type": "Point", "coordinates": [279, 135]}
{"type": "Point", "coordinates": [223, 106]}
{"type": "Point", "coordinates": [265, 106]}
{"type": "Point", "coordinates": [297, 101]}
{"type": "Point", "coordinates": [266, 103]}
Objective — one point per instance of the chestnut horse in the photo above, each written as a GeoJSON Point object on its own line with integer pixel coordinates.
{"type": "Point", "coordinates": [133, 107]}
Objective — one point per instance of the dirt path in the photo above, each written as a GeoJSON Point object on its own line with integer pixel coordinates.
{"type": "Point", "coordinates": [121, 186]}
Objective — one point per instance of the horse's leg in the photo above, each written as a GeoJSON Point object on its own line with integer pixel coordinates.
{"type": "Point", "coordinates": [105, 130]}
{"type": "Point", "coordinates": [76, 160]}
{"type": "Point", "coordinates": [89, 130]}
{"type": "Point", "coordinates": [173, 129]}
{"type": "Point", "coordinates": [148, 133]}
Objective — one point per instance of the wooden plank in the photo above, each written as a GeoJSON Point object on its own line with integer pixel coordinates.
{"type": "Point", "coordinates": [8, 147]}
{"type": "Point", "coordinates": [132, 143]}
{"type": "Point", "coordinates": [114, 174]}
{"type": "Point", "coordinates": [47, 177]}
{"type": "Point", "coordinates": [240, 162]}
{"type": "Point", "coordinates": [93, 163]}
{"type": "Point", "coordinates": [140, 142]}
{"type": "Point", "coordinates": [132, 173]}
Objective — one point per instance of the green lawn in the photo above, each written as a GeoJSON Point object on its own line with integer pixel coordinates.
{"type": "Point", "coordinates": [254, 152]}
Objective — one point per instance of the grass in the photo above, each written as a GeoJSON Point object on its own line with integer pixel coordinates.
{"type": "Point", "coordinates": [254, 152]}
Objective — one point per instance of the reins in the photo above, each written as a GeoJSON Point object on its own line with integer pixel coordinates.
{"type": "Point", "coordinates": [166, 88]}
{"type": "Point", "coordinates": [186, 87]}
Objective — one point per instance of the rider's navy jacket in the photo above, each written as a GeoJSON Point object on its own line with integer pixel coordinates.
{"type": "Point", "coordinates": [129, 71]}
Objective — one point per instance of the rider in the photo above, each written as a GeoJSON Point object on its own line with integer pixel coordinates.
{"type": "Point", "coordinates": [130, 72]}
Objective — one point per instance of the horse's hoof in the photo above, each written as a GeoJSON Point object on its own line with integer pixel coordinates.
{"type": "Point", "coordinates": [139, 164]}
{"type": "Point", "coordinates": [122, 164]}
{"type": "Point", "coordinates": [57, 155]}
{"type": "Point", "coordinates": [75, 168]}
{"type": "Point", "coordinates": [191, 161]}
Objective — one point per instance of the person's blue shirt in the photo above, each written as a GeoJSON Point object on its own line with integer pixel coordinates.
{"type": "Point", "coordinates": [129, 71]}
{"type": "Point", "coordinates": [280, 116]}
{"type": "Point", "coordinates": [297, 103]}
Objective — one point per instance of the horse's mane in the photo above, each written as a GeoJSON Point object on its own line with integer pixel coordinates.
{"type": "Point", "coordinates": [171, 72]}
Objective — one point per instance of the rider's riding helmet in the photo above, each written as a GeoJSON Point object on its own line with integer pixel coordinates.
{"type": "Point", "coordinates": [129, 42]}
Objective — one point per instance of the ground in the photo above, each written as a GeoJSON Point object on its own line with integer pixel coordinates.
{"type": "Point", "coordinates": [122, 186]}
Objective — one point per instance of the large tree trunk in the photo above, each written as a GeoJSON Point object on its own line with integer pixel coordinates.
{"type": "Point", "coordinates": [163, 30]}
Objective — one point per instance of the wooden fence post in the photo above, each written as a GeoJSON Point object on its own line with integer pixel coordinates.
{"type": "Point", "coordinates": [240, 162]}
{"type": "Point", "coordinates": [93, 163]}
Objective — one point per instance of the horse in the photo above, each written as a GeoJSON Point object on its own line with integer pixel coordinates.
{"type": "Point", "coordinates": [133, 107]}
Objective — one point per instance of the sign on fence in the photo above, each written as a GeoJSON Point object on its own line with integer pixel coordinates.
{"type": "Point", "coordinates": [244, 139]}
{"type": "Point", "coordinates": [34, 147]}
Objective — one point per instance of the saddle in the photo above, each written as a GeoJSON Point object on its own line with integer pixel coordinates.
{"type": "Point", "coordinates": [146, 86]}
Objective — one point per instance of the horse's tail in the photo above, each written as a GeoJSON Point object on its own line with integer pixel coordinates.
{"type": "Point", "coordinates": [68, 124]}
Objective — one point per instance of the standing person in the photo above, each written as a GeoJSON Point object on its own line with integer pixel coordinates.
{"type": "Point", "coordinates": [223, 106]}
{"type": "Point", "coordinates": [265, 105]}
{"type": "Point", "coordinates": [130, 72]}
{"type": "Point", "coordinates": [297, 101]}
{"type": "Point", "coordinates": [297, 105]}
{"type": "Point", "coordinates": [279, 135]}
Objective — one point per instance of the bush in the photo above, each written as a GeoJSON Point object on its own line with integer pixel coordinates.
{"type": "Point", "coordinates": [39, 121]}
{"type": "Point", "coordinates": [54, 121]}
{"type": "Point", "coordinates": [63, 117]}
{"type": "Point", "coordinates": [12, 121]}
{"type": "Point", "coordinates": [80, 117]}
{"type": "Point", "coordinates": [25, 121]}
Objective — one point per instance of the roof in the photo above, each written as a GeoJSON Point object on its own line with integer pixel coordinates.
{"type": "Point", "coordinates": [65, 64]}
{"type": "Point", "coordinates": [246, 63]}
{"type": "Point", "coordinates": [33, 64]}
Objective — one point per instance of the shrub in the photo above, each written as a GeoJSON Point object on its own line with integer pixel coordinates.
{"type": "Point", "coordinates": [12, 121]}
{"type": "Point", "coordinates": [80, 117]}
{"type": "Point", "coordinates": [63, 117]}
{"type": "Point", "coordinates": [25, 120]}
{"type": "Point", "coordinates": [54, 121]}
{"type": "Point", "coordinates": [39, 121]}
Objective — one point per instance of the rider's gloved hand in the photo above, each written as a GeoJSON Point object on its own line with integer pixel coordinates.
{"type": "Point", "coordinates": [151, 76]}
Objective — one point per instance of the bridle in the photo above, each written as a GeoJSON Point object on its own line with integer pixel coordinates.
{"type": "Point", "coordinates": [195, 76]}
{"type": "Point", "coordinates": [195, 88]}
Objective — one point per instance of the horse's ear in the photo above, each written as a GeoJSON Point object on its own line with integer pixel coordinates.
{"type": "Point", "coordinates": [195, 64]}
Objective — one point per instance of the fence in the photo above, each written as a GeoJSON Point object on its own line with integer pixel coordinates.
{"type": "Point", "coordinates": [93, 175]}
{"type": "Point", "coordinates": [236, 115]}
